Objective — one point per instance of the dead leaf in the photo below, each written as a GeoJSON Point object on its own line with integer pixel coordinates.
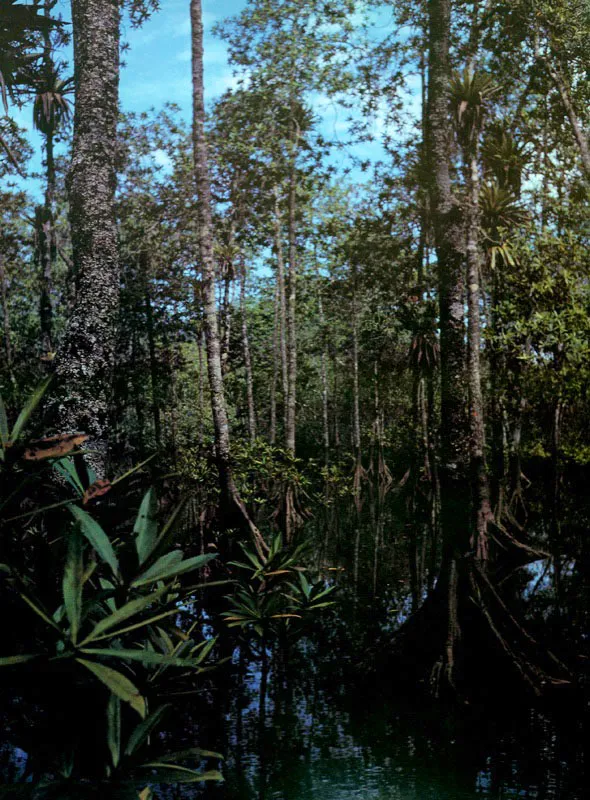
{"type": "Point", "coordinates": [97, 489]}
{"type": "Point", "coordinates": [54, 446]}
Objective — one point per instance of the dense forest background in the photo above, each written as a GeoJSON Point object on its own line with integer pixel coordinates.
{"type": "Point", "coordinates": [329, 335]}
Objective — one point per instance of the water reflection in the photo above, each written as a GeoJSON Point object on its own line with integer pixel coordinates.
{"type": "Point", "coordinates": [317, 741]}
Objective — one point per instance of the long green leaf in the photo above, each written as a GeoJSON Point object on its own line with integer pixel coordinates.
{"type": "Point", "coordinates": [67, 470]}
{"type": "Point", "coordinates": [163, 563]}
{"type": "Point", "coordinates": [141, 733]}
{"type": "Point", "coordinates": [146, 526]}
{"type": "Point", "coordinates": [118, 684]}
{"type": "Point", "coordinates": [114, 728]}
{"type": "Point", "coordinates": [172, 773]}
{"type": "Point", "coordinates": [144, 656]}
{"type": "Point", "coordinates": [96, 536]}
{"type": "Point", "coordinates": [29, 407]}
{"type": "Point", "coordinates": [8, 661]}
{"type": "Point", "coordinates": [38, 610]}
{"type": "Point", "coordinates": [72, 583]}
{"type": "Point", "coordinates": [191, 752]}
{"type": "Point", "coordinates": [168, 529]}
{"type": "Point", "coordinates": [121, 614]}
{"type": "Point", "coordinates": [172, 571]}
{"type": "Point", "coordinates": [135, 626]}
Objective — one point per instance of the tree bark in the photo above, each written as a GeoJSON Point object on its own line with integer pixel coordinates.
{"type": "Point", "coordinates": [45, 223]}
{"type": "Point", "coordinates": [278, 234]}
{"type": "Point", "coordinates": [356, 414]}
{"type": "Point", "coordinates": [324, 382]}
{"type": "Point", "coordinates": [479, 478]}
{"type": "Point", "coordinates": [85, 362]}
{"type": "Point", "coordinates": [231, 501]}
{"type": "Point", "coordinates": [149, 324]}
{"type": "Point", "coordinates": [578, 131]}
{"type": "Point", "coordinates": [275, 367]}
{"type": "Point", "coordinates": [291, 310]}
{"type": "Point", "coordinates": [247, 360]}
{"type": "Point", "coordinates": [6, 331]}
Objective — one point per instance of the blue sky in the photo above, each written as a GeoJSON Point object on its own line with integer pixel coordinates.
{"type": "Point", "coordinates": [158, 71]}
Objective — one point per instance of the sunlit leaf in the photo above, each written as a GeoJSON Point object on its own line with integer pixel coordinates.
{"type": "Point", "coordinates": [29, 408]}
{"type": "Point", "coordinates": [114, 728]}
{"type": "Point", "coordinates": [96, 536]}
{"type": "Point", "coordinates": [72, 583]}
{"type": "Point", "coordinates": [118, 684]}
{"type": "Point", "coordinates": [162, 570]}
{"type": "Point", "coordinates": [126, 611]}
{"type": "Point", "coordinates": [146, 526]}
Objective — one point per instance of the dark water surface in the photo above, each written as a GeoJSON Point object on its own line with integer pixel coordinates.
{"type": "Point", "coordinates": [319, 740]}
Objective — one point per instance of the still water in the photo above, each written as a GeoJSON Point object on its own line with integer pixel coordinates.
{"type": "Point", "coordinates": [319, 739]}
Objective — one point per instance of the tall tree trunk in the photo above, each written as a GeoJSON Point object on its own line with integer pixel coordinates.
{"type": "Point", "coordinates": [247, 359]}
{"type": "Point", "coordinates": [231, 500]}
{"type": "Point", "coordinates": [356, 413]}
{"type": "Point", "coordinates": [449, 236]}
{"type": "Point", "coordinates": [201, 388]}
{"type": "Point", "coordinates": [275, 366]}
{"type": "Point", "coordinates": [6, 331]}
{"type": "Point", "coordinates": [84, 365]}
{"type": "Point", "coordinates": [44, 264]}
{"type": "Point", "coordinates": [578, 131]}
{"type": "Point", "coordinates": [324, 382]}
{"type": "Point", "coordinates": [44, 219]}
{"type": "Point", "coordinates": [149, 324]}
{"type": "Point", "coordinates": [291, 303]}
{"type": "Point", "coordinates": [227, 307]}
{"type": "Point", "coordinates": [479, 478]}
{"type": "Point", "coordinates": [278, 235]}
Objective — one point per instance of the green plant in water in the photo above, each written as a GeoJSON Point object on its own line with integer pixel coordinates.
{"type": "Point", "coordinates": [106, 641]}
{"type": "Point", "coordinates": [266, 599]}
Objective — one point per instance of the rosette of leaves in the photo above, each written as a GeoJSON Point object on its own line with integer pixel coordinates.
{"type": "Point", "coordinates": [266, 598]}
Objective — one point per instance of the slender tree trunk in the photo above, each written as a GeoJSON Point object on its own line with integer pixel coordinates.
{"type": "Point", "coordinates": [247, 359]}
{"type": "Point", "coordinates": [6, 331]}
{"type": "Point", "coordinates": [578, 131]}
{"type": "Point", "coordinates": [335, 404]}
{"type": "Point", "coordinates": [45, 226]}
{"type": "Point", "coordinates": [230, 496]}
{"type": "Point", "coordinates": [227, 306]}
{"type": "Point", "coordinates": [205, 223]}
{"type": "Point", "coordinates": [356, 413]}
{"type": "Point", "coordinates": [275, 366]}
{"type": "Point", "coordinates": [201, 388]}
{"type": "Point", "coordinates": [149, 322]}
{"type": "Point", "coordinates": [85, 362]}
{"type": "Point", "coordinates": [44, 263]}
{"type": "Point", "coordinates": [324, 382]}
{"type": "Point", "coordinates": [291, 310]}
{"type": "Point", "coordinates": [481, 490]}
{"type": "Point", "coordinates": [278, 233]}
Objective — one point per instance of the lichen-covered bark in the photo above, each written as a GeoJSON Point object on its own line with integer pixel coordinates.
{"type": "Point", "coordinates": [86, 357]}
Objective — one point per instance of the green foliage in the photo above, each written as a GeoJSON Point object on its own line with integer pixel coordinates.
{"type": "Point", "coordinates": [121, 603]}
{"type": "Point", "coordinates": [266, 600]}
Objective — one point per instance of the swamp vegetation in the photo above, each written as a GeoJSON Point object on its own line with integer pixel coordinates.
{"type": "Point", "coordinates": [294, 410]}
